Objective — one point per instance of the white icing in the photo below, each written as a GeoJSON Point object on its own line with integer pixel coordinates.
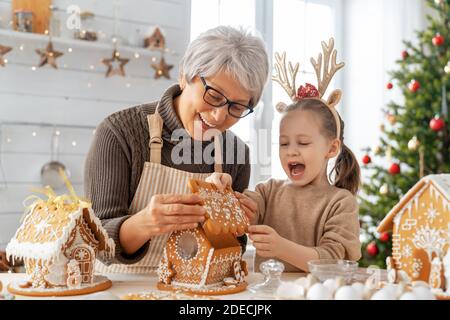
{"type": "Point", "coordinates": [442, 183]}
{"type": "Point", "coordinates": [57, 272]}
{"type": "Point", "coordinates": [208, 262]}
{"type": "Point", "coordinates": [97, 280]}
{"type": "Point", "coordinates": [49, 251]}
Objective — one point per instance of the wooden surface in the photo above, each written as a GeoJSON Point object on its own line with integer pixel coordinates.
{"type": "Point", "coordinates": [124, 284]}
{"type": "Point", "coordinates": [41, 12]}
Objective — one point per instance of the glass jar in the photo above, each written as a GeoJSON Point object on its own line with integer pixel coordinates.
{"type": "Point", "coordinates": [272, 271]}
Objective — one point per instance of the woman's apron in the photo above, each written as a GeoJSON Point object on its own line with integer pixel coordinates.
{"type": "Point", "coordinates": [157, 179]}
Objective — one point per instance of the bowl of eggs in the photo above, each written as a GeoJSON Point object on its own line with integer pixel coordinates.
{"type": "Point", "coordinates": [329, 269]}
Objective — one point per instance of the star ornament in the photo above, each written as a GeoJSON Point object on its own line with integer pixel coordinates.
{"type": "Point", "coordinates": [115, 65]}
{"type": "Point", "coordinates": [48, 56]}
{"type": "Point", "coordinates": [3, 50]}
{"type": "Point", "coordinates": [162, 69]}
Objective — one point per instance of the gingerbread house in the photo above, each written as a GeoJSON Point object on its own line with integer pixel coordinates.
{"type": "Point", "coordinates": [59, 240]}
{"type": "Point", "coordinates": [208, 259]}
{"type": "Point", "coordinates": [156, 40]}
{"type": "Point", "coordinates": [420, 225]}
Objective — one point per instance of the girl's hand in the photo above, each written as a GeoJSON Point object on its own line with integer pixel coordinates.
{"type": "Point", "coordinates": [221, 180]}
{"type": "Point", "coordinates": [267, 241]}
{"type": "Point", "coordinates": [249, 206]}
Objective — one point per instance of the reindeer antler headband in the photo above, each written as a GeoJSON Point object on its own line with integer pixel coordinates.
{"type": "Point", "coordinates": [309, 91]}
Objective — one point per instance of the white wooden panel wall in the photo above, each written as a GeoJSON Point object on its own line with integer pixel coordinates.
{"type": "Point", "coordinates": [78, 93]}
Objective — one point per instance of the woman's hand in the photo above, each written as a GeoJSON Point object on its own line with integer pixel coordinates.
{"type": "Point", "coordinates": [221, 180]}
{"type": "Point", "coordinates": [266, 240]}
{"type": "Point", "coordinates": [164, 214]}
{"type": "Point", "coordinates": [249, 206]}
{"type": "Point", "coordinates": [167, 213]}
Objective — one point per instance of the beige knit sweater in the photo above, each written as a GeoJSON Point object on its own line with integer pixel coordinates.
{"type": "Point", "coordinates": [324, 218]}
{"type": "Point", "coordinates": [117, 155]}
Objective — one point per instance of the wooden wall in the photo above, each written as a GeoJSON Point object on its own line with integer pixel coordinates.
{"type": "Point", "coordinates": [77, 94]}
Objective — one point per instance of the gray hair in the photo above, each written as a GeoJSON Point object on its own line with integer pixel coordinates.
{"type": "Point", "coordinates": [232, 50]}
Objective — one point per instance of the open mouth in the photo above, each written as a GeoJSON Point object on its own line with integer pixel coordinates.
{"type": "Point", "coordinates": [205, 122]}
{"type": "Point", "coordinates": [296, 169]}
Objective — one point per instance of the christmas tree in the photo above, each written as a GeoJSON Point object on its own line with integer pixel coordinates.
{"type": "Point", "coordinates": [415, 138]}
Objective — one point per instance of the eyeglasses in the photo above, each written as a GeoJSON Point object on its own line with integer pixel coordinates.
{"type": "Point", "coordinates": [216, 99]}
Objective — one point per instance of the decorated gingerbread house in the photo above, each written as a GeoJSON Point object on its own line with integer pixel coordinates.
{"type": "Point", "coordinates": [156, 40]}
{"type": "Point", "coordinates": [420, 225]}
{"type": "Point", "coordinates": [59, 240]}
{"type": "Point", "coordinates": [208, 259]}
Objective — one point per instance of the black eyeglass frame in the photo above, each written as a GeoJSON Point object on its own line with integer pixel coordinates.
{"type": "Point", "coordinates": [227, 101]}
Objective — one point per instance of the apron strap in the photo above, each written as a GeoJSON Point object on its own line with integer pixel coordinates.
{"type": "Point", "coordinates": [155, 125]}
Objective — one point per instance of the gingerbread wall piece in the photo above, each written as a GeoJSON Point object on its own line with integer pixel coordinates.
{"type": "Point", "coordinates": [208, 259]}
{"type": "Point", "coordinates": [55, 234]}
{"type": "Point", "coordinates": [420, 225]}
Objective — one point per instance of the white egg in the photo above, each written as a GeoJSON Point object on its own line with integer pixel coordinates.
{"type": "Point", "coordinates": [302, 282]}
{"type": "Point", "coordinates": [319, 292]}
{"type": "Point", "coordinates": [420, 283]}
{"type": "Point", "coordinates": [359, 288]}
{"type": "Point", "coordinates": [290, 290]}
{"type": "Point", "coordinates": [423, 293]}
{"type": "Point", "coordinates": [347, 293]}
{"type": "Point", "coordinates": [394, 289]}
{"type": "Point", "coordinates": [408, 296]}
{"type": "Point", "coordinates": [383, 294]}
{"type": "Point", "coordinates": [330, 284]}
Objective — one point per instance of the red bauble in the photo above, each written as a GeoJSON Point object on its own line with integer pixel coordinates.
{"type": "Point", "coordinates": [372, 249]}
{"type": "Point", "coordinates": [437, 124]}
{"type": "Point", "coordinates": [389, 86]}
{"type": "Point", "coordinates": [366, 159]}
{"type": "Point", "coordinates": [438, 40]}
{"type": "Point", "coordinates": [405, 54]}
{"type": "Point", "coordinates": [384, 237]}
{"type": "Point", "coordinates": [394, 169]}
{"type": "Point", "coordinates": [414, 85]}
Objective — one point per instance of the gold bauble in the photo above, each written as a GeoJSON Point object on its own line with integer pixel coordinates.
{"type": "Point", "coordinates": [447, 68]}
{"type": "Point", "coordinates": [391, 119]}
{"type": "Point", "coordinates": [413, 144]}
{"type": "Point", "coordinates": [376, 150]}
{"type": "Point", "coordinates": [384, 189]}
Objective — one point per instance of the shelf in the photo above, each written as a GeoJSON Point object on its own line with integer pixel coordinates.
{"type": "Point", "coordinates": [75, 43]}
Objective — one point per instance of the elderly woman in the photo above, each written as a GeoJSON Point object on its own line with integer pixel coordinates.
{"type": "Point", "coordinates": [139, 163]}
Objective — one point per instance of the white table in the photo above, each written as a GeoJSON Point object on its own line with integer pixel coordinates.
{"type": "Point", "coordinates": [124, 284]}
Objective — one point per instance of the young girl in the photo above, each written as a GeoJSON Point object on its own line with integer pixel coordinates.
{"type": "Point", "coordinates": [306, 217]}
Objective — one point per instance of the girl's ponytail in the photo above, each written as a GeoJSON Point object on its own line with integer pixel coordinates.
{"type": "Point", "coordinates": [348, 175]}
{"type": "Point", "coordinates": [347, 171]}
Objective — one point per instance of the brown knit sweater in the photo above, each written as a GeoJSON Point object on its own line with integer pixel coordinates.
{"type": "Point", "coordinates": [117, 155]}
{"type": "Point", "coordinates": [321, 217]}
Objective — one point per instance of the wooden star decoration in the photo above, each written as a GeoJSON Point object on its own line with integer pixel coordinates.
{"type": "Point", "coordinates": [162, 69]}
{"type": "Point", "coordinates": [48, 56]}
{"type": "Point", "coordinates": [115, 65]}
{"type": "Point", "coordinates": [3, 50]}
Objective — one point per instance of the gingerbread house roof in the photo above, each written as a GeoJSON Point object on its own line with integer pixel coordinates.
{"type": "Point", "coordinates": [440, 187]}
{"type": "Point", "coordinates": [224, 212]}
{"type": "Point", "coordinates": [47, 228]}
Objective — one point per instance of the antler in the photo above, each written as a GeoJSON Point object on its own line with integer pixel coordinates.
{"type": "Point", "coordinates": [281, 76]}
{"type": "Point", "coordinates": [328, 51]}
